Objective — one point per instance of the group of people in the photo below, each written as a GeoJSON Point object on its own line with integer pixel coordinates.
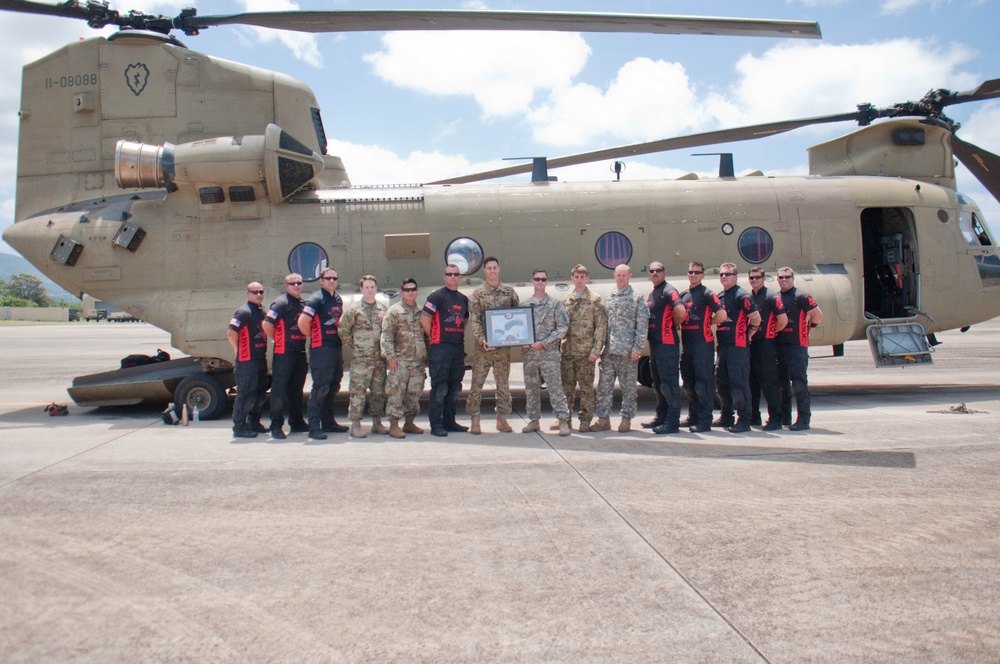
{"type": "Point", "coordinates": [760, 338]}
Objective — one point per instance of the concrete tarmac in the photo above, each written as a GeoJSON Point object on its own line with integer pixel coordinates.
{"type": "Point", "coordinates": [873, 537]}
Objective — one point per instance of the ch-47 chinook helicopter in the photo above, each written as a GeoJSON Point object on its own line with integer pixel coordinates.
{"type": "Point", "coordinates": [162, 180]}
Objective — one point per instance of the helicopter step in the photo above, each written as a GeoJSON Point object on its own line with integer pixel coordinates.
{"type": "Point", "coordinates": [899, 344]}
{"type": "Point", "coordinates": [185, 380]}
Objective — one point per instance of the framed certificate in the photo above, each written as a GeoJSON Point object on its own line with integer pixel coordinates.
{"type": "Point", "coordinates": [514, 326]}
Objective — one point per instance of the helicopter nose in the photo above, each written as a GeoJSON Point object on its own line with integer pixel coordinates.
{"type": "Point", "coordinates": [30, 240]}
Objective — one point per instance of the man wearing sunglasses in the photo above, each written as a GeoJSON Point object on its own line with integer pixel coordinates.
{"type": "Point", "coordinates": [763, 357]}
{"type": "Point", "coordinates": [666, 313]}
{"type": "Point", "coordinates": [703, 309]}
{"type": "Point", "coordinates": [404, 348]}
{"type": "Point", "coordinates": [541, 359]}
{"type": "Point", "coordinates": [319, 320]}
{"type": "Point", "coordinates": [443, 320]}
{"type": "Point", "coordinates": [732, 374]}
{"type": "Point", "coordinates": [246, 336]}
{"type": "Point", "coordinates": [288, 363]}
{"type": "Point", "coordinates": [793, 350]}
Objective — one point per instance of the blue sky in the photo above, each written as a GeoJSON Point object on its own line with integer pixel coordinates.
{"type": "Point", "coordinates": [415, 107]}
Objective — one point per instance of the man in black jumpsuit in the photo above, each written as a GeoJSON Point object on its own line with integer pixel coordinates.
{"type": "Point", "coordinates": [288, 364]}
{"type": "Point", "coordinates": [698, 355]}
{"type": "Point", "coordinates": [763, 356]}
{"type": "Point", "coordinates": [793, 350]}
{"type": "Point", "coordinates": [666, 313]}
{"type": "Point", "coordinates": [443, 320]}
{"type": "Point", "coordinates": [732, 375]}
{"type": "Point", "coordinates": [319, 320]}
{"type": "Point", "coordinates": [246, 336]}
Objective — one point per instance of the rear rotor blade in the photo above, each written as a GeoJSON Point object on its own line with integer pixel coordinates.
{"type": "Point", "coordinates": [665, 145]}
{"type": "Point", "coordinates": [431, 19]}
{"type": "Point", "coordinates": [984, 165]}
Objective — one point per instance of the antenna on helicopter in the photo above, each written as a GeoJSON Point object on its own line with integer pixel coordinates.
{"type": "Point", "coordinates": [617, 169]}
{"type": "Point", "coordinates": [726, 169]}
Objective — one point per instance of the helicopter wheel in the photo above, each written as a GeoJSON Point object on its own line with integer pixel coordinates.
{"type": "Point", "coordinates": [204, 391]}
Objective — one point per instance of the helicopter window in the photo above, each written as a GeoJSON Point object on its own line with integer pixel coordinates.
{"type": "Point", "coordinates": [980, 230]}
{"type": "Point", "coordinates": [309, 260]}
{"type": "Point", "coordinates": [755, 245]}
{"type": "Point", "coordinates": [466, 253]}
{"type": "Point", "coordinates": [613, 249]}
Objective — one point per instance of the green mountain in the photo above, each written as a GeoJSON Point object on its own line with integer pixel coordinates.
{"type": "Point", "coordinates": [11, 264]}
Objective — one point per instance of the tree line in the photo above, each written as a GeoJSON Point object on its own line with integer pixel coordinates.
{"type": "Point", "coordinates": [26, 290]}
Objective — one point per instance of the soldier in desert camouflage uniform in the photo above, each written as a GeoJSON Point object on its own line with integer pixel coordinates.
{"type": "Point", "coordinates": [588, 327]}
{"type": "Point", "coordinates": [491, 295]}
{"type": "Point", "coordinates": [361, 331]}
{"type": "Point", "coordinates": [541, 359]}
{"type": "Point", "coordinates": [628, 321]}
{"type": "Point", "coordinates": [404, 348]}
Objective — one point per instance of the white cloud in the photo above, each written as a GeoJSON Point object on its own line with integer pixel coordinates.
{"type": "Point", "coordinates": [302, 45]}
{"type": "Point", "coordinates": [897, 7]}
{"type": "Point", "coordinates": [502, 72]}
{"type": "Point", "coordinates": [372, 164]}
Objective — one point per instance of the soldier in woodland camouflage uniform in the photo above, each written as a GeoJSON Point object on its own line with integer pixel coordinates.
{"type": "Point", "coordinates": [404, 347]}
{"type": "Point", "coordinates": [628, 321]}
{"type": "Point", "coordinates": [541, 359]}
{"type": "Point", "coordinates": [361, 331]}
{"type": "Point", "coordinates": [491, 295]}
{"type": "Point", "coordinates": [588, 328]}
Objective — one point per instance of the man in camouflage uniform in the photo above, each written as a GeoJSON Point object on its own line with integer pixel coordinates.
{"type": "Point", "coordinates": [541, 359]}
{"type": "Point", "coordinates": [588, 327]}
{"type": "Point", "coordinates": [628, 322]}
{"type": "Point", "coordinates": [491, 295]}
{"type": "Point", "coordinates": [361, 331]}
{"type": "Point", "coordinates": [404, 348]}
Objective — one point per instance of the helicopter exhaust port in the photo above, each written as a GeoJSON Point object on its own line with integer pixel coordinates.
{"type": "Point", "coordinates": [276, 159]}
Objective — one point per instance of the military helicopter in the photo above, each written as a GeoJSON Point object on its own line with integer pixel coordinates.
{"type": "Point", "coordinates": [138, 184]}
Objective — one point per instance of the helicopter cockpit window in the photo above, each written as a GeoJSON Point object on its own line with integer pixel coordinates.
{"type": "Point", "coordinates": [755, 245]}
{"type": "Point", "coordinates": [973, 229]}
{"type": "Point", "coordinates": [309, 260]}
{"type": "Point", "coordinates": [466, 253]}
{"type": "Point", "coordinates": [613, 249]}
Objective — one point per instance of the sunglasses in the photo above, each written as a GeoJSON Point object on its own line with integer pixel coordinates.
{"type": "Point", "coordinates": [256, 292]}
{"type": "Point", "coordinates": [655, 270]}
{"type": "Point", "coordinates": [756, 278]}
{"type": "Point", "coordinates": [410, 290]}
{"type": "Point", "coordinates": [539, 278]}
{"type": "Point", "coordinates": [328, 278]}
{"type": "Point", "coordinates": [785, 276]}
{"type": "Point", "coordinates": [696, 272]}
{"type": "Point", "coordinates": [452, 274]}
{"type": "Point", "coordinates": [293, 283]}
{"type": "Point", "coordinates": [727, 274]}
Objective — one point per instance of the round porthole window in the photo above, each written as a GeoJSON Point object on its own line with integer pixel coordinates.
{"type": "Point", "coordinates": [613, 249]}
{"type": "Point", "coordinates": [466, 253]}
{"type": "Point", "coordinates": [309, 260]}
{"type": "Point", "coordinates": [755, 245]}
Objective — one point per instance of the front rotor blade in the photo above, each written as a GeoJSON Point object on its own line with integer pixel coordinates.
{"type": "Point", "coordinates": [665, 145]}
{"type": "Point", "coordinates": [388, 20]}
{"type": "Point", "coordinates": [984, 165]}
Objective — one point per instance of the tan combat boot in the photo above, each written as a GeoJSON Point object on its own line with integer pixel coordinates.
{"type": "Point", "coordinates": [410, 427]}
{"type": "Point", "coordinates": [502, 425]}
{"type": "Point", "coordinates": [602, 424]}
{"type": "Point", "coordinates": [563, 427]}
{"type": "Point", "coordinates": [531, 426]}
{"type": "Point", "coordinates": [626, 425]}
{"type": "Point", "coordinates": [378, 427]}
{"type": "Point", "coordinates": [557, 424]}
{"type": "Point", "coordinates": [357, 431]}
{"type": "Point", "coordinates": [475, 429]}
{"type": "Point", "coordinates": [584, 426]}
{"type": "Point", "coordinates": [394, 429]}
